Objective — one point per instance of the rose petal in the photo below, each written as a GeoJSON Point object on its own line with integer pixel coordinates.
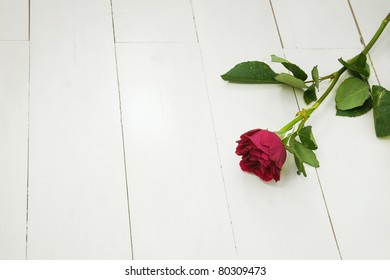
{"type": "Point", "coordinates": [263, 154]}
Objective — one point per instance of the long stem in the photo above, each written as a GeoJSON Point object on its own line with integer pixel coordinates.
{"type": "Point", "coordinates": [335, 77]}
{"type": "Point", "coordinates": [321, 78]}
{"type": "Point", "coordinates": [365, 51]}
{"type": "Point", "coordinates": [377, 34]}
{"type": "Point", "coordinates": [309, 111]}
{"type": "Point", "coordinates": [296, 120]}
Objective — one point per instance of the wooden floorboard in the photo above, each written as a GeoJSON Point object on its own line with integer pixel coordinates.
{"type": "Point", "coordinates": [313, 24]}
{"type": "Point", "coordinates": [118, 135]}
{"type": "Point", "coordinates": [13, 148]}
{"type": "Point", "coordinates": [77, 188]}
{"type": "Point", "coordinates": [276, 221]}
{"type": "Point", "coordinates": [14, 20]}
{"type": "Point", "coordinates": [153, 21]}
{"type": "Point", "coordinates": [177, 197]}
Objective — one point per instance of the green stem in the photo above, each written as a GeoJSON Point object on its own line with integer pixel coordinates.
{"type": "Point", "coordinates": [336, 77]}
{"type": "Point", "coordinates": [321, 78]}
{"type": "Point", "coordinates": [296, 120]}
{"type": "Point", "coordinates": [309, 111]}
{"type": "Point", "coordinates": [305, 113]}
{"type": "Point", "coordinates": [377, 34]}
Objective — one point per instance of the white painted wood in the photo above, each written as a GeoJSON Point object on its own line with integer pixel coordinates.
{"type": "Point", "coordinates": [153, 20]}
{"type": "Point", "coordinates": [175, 126]}
{"type": "Point", "coordinates": [13, 148]}
{"type": "Point", "coordinates": [369, 16]}
{"type": "Point", "coordinates": [14, 20]}
{"type": "Point", "coordinates": [77, 190]}
{"type": "Point", "coordinates": [177, 197]}
{"type": "Point", "coordinates": [354, 169]}
{"type": "Point", "coordinates": [316, 24]}
{"type": "Point", "coordinates": [354, 163]}
{"type": "Point", "coordinates": [287, 220]}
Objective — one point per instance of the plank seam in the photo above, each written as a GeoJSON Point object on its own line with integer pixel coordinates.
{"type": "Point", "coordinates": [276, 24]}
{"type": "Point", "coordinates": [193, 19]}
{"type": "Point", "coordinates": [283, 49]}
{"type": "Point", "coordinates": [13, 40]}
{"type": "Point", "coordinates": [28, 148]}
{"type": "Point", "coordinates": [155, 42]}
{"type": "Point", "coordinates": [362, 39]}
{"type": "Point", "coordinates": [356, 23]}
{"type": "Point", "coordinates": [215, 133]}
{"type": "Point", "coordinates": [296, 99]}
{"type": "Point", "coordinates": [328, 213]}
{"type": "Point", "coordinates": [122, 131]}
{"type": "Point", "coordinates": [29, 21]}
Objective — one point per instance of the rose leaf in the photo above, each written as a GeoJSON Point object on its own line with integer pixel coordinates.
{"type": "Point", "coordinates": [307, 138]}
{"type": "Point", "coordinates": [309, 94]}
{"type": "Point", "coordinates": [278, 59]}
{"type": "Point", "coordinates": [251, 72]}
{"type": "Point", "coordinates": [305, 154]}
{"type": "Point", "coordinates": [293, 68]}
{"type": "Point", "coordinates": [358, 66]}
{"type": "Point", "coordinates": [290, 80]}
{"type": "Point", "coordinates": [300, 166]}
{"type": "Point", "coordinates": [352, 93]}
{"type": "Point", "coordinates": [315, 76]}
{"type": "Point", "coordinates": [297, 159]}
{"type": "Point", "coordinates": [357, 111]}
{"type": "Point", "coordinates": [381, 104]}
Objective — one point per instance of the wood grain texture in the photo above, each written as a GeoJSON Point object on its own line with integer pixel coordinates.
{"type": "Point", "coordinates": [13, 148]}
{"type": "Point", "coordinates": [77, 191]}
{"type": "Point", "coordinates": [14, 21]}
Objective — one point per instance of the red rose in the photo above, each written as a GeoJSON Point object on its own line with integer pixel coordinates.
{"type": "Point", "coordinates": [263, 154]}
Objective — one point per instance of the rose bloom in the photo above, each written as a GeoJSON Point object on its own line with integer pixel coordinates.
{"type": "Point", "coordinates": [263, 154]}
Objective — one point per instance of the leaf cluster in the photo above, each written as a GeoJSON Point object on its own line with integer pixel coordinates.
{"type": "Point", "coordinates": [258, 72]}
{"type": "Point", "coordinates": [301, 145]}
{"type": "Point", "coordinates": [354, 96]}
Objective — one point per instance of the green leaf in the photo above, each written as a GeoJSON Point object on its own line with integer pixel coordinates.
{"type": "Point", "coordinates": [296, 71]}
{"type": "Point", "coordinates": [307, 138]}
{"type": "Point", "coordinates": [358, 111]}
{"type": "Point", "coordinates": [305, 154]}
{"type": "Point", "coordinates": [381, 104]}
{"type": "Point", "coordinates": [310, 94]}
{"type": "Point", "coordinates": [279, 59]}
{"type": "Point", "coordinates": [315, 76]}
{"type": "Point", "coordinates": [293, 68]}
{"type": "Point", "coordinates": [357, 66]}
{"type": "Point", "coordinates": [251, 72]}
{"type": "Point", "coordinates": [297, 159]}
{"type": "Point", "coordinates": [301, 154]}
{"type": "Point", "coordinates": [361, 76]}
{"type": "Point", "coordinates": [352, 93]}
{"type": "Point", "coordinates": [361, 61]}
{"type": "Point", "coordinates": [290, 80]}
{"type": "Point", "coordinates": [285, 141]}
{"type": "Point", "coordinates": [300, 166]}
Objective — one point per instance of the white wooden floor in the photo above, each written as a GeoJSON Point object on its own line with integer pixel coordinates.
{"type": "Point", "coordinates": [117, 134]}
